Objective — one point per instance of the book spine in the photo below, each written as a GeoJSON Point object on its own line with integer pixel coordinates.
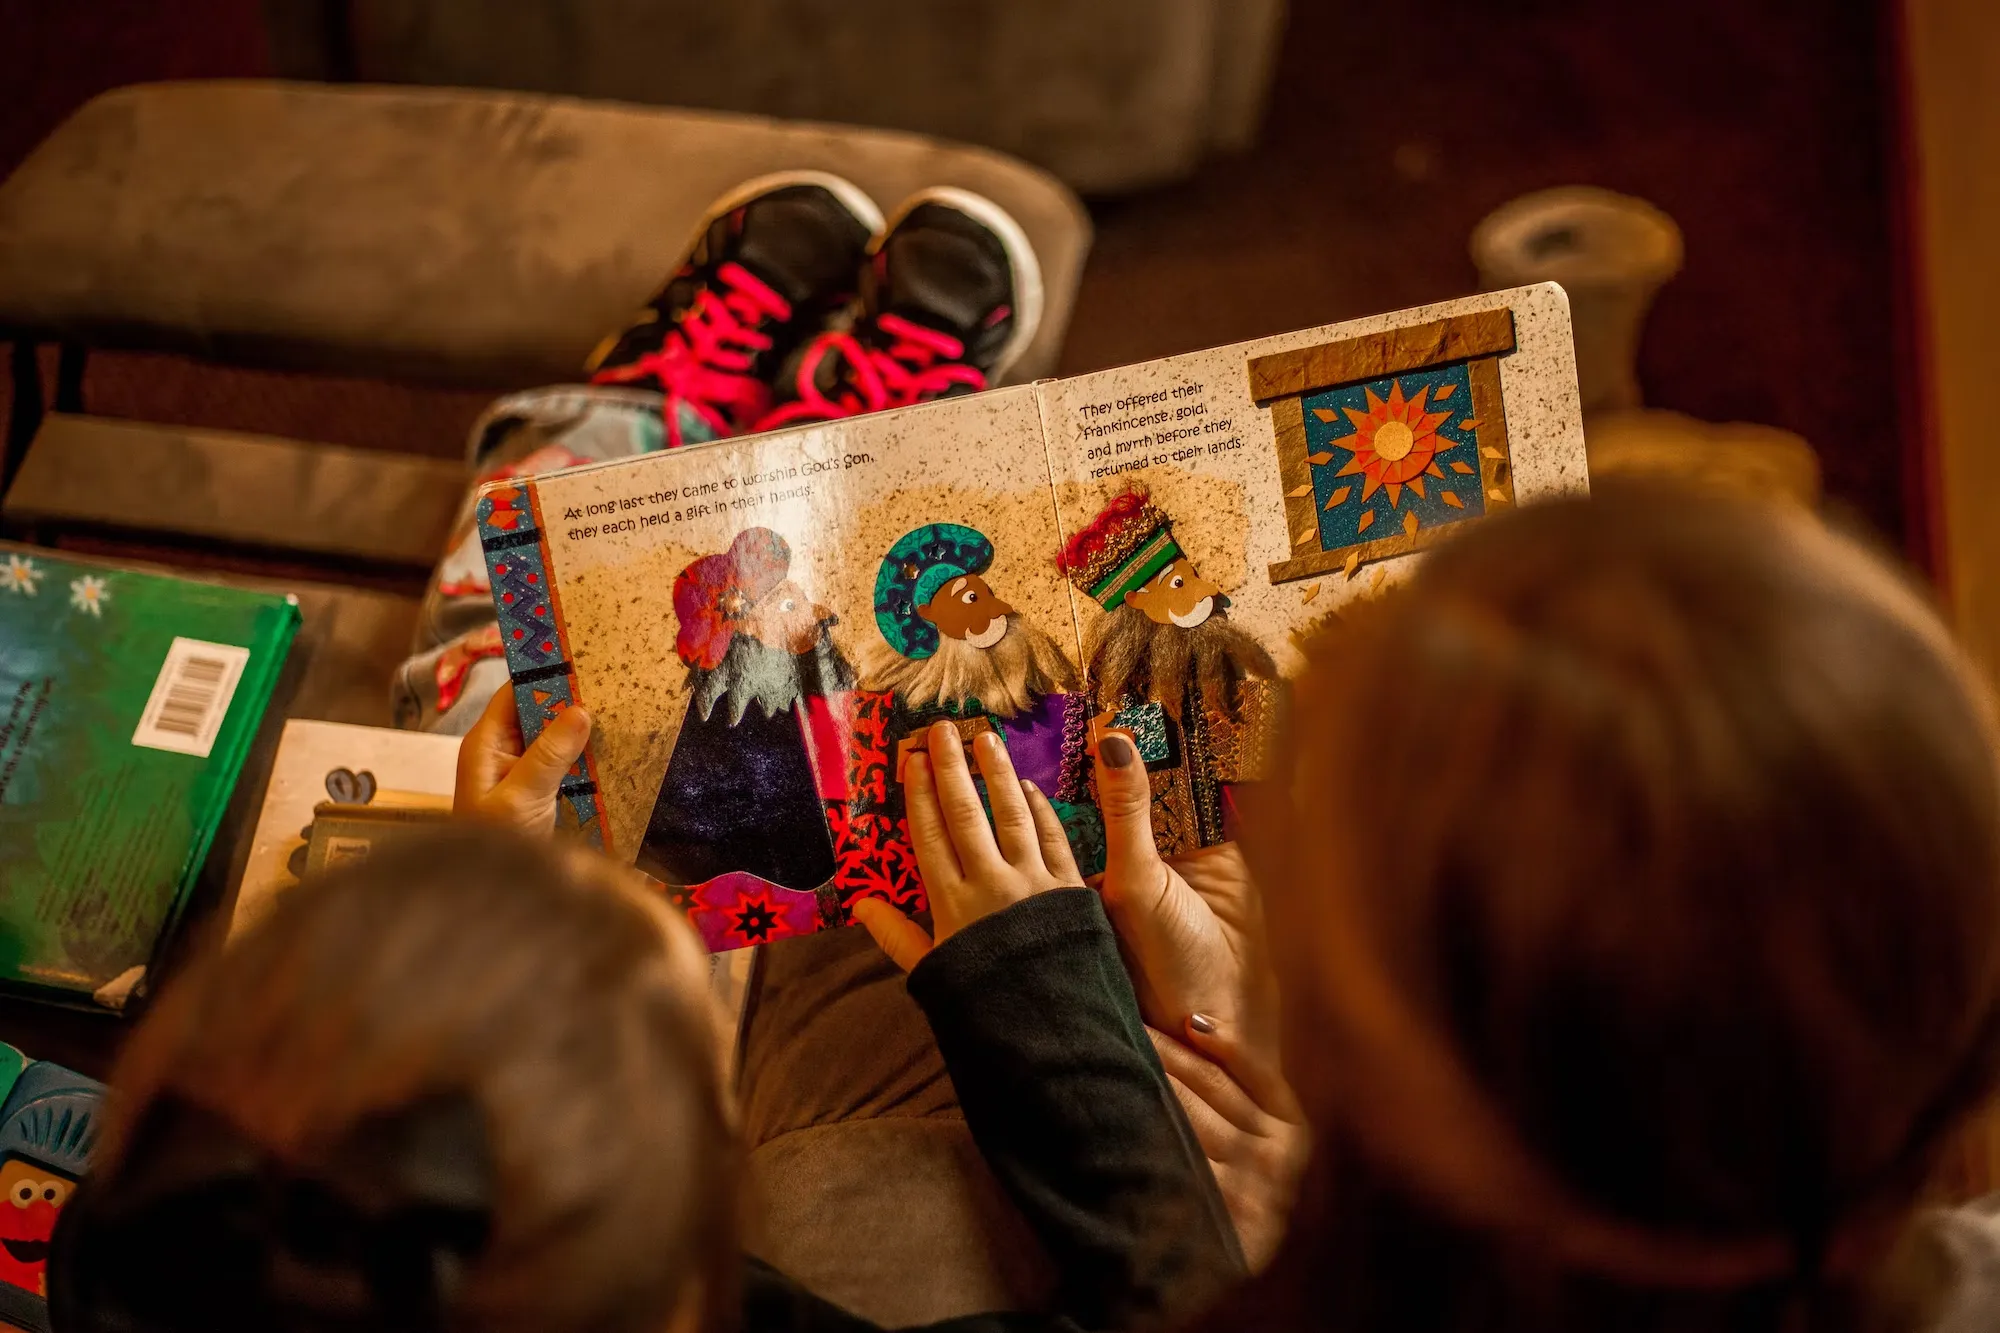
{"type": "Point", "coordinates": [534, 634]}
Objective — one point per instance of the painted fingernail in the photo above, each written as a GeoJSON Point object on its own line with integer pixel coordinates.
{"type": "Point", "coordinates": [1117, 752]}
{"type": "Point", "coordinates": [1202, 1023]}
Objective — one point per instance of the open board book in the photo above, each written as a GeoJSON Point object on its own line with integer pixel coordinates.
{"type": "Point", "coordinates": [761, 627]}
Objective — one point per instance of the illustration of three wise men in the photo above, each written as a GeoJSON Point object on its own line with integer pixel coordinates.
{"type": "Point", "coordinates": [751, 777]}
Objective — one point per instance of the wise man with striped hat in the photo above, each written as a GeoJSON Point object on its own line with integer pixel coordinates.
{"type": "Point", "coordinates": [1168, 668]}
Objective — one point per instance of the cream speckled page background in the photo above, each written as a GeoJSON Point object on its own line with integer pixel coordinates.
{"type": "Point", "coordinates": [839, 494]}
{"type": "Point", "coordinates": [1221, 484]}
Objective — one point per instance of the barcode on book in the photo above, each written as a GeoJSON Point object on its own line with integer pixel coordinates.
{"type": "Point", "coordinates": [191, 697]}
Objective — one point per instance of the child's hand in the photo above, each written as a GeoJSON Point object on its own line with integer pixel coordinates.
{"type": "Point", "coordinates": [971, 869]}
{"type": "Point", "coordinates": [500, 782]}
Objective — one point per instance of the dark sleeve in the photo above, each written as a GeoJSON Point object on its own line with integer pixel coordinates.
{"type": "Point", "coordinates": [774, 1303]}
{"type": "Point", "coordinates": [1065, 1096]}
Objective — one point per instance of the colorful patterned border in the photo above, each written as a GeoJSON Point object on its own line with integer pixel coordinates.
{"type": "Point", "coordinates": [533, 633]}
{"type": "Point", "coordinates": [739, 909]}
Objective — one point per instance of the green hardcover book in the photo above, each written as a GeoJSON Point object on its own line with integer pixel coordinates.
{"type": "Point", "coordinates": [128, 702]}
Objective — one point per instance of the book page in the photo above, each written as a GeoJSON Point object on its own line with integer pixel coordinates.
{"type": "Point", "coordinates": [334, 761]}
{"type": "Point", "coordinates": [1190, 431]}
{"type": "Point", "coordinates": [1219, 505]}
{"type": "Point", "coordinates": [750, 624]}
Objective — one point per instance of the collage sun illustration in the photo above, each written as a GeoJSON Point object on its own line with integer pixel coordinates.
{"type": "Point", "coordinates": [1395, 448]}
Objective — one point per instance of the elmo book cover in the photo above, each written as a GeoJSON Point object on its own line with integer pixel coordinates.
{"type": "Point", "coordinates": [763, 627]}
{"type": "Point", "coordinates": [128, 702]}
{"type": "Point", "coordinates": [48, 1129]}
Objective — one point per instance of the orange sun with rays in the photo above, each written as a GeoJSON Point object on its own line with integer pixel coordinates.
{"type": "Point", "coordinates": [1394, 443]}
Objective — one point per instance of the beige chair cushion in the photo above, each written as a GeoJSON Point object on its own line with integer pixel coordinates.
{"type": "Point", "coordinates": [1109, 94]}
{"type": "Point", "coordinates": [483, 239]}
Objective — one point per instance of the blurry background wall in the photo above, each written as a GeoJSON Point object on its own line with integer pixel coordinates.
{"type": "Point", "coordinates": [1762, 128]}
{"type": "Point", "coordinates": [1108, 94]}
{"type": "Point", "coordinates": [1954, 73]}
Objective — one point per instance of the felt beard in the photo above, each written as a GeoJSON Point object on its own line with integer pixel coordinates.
{"type": "Point", "coordinates": [1137, 654]}
{"type": "Point", "coordinates": [753, 672]}
{"type": "Point", "coordinates": [1005, 679]}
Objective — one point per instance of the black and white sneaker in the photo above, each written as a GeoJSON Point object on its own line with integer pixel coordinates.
{"type": "Point", "coordinates": [773, 265]}
{"type": "Point", "coordinates": [950, 297]}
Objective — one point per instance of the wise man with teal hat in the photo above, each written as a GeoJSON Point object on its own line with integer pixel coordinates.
{"type": "Point", "coordinates": [947, 558]}
{"type": "Point", "coordinates": [952, 647]}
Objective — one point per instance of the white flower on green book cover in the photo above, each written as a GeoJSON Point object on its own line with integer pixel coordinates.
{"type": "Point", "coordinates": [89, 594]}
{"type": "Point", "coordinates": [20, 576]}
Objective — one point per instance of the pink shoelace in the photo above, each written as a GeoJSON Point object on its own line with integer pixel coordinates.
{"type": "Point", "coordinates": [918, 364]}
{"type": "Point", "coordinates": [705, 363]}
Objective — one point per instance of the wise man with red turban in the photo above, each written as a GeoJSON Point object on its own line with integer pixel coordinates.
{"type": "Point", "coordinates": [741, 806]}
{"type": "Point", "coordinates": [1166, 667]}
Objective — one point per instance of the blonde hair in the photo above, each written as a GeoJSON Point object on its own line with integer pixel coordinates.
{"type": "Point", "coordinates": [530, 980]}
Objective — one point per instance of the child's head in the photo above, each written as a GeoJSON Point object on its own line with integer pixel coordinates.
{"type": "Point", "coordinates": [1638, 911]}
{"type": "Point", "coordinates": [473, 1074]}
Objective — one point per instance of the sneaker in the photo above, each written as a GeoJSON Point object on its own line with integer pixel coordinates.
{"type": "Point", "coordinates": [773, 265]}
{"type": "Point", "coordinates": [951, 296]}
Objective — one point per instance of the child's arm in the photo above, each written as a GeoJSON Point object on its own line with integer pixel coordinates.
{"type": "Point", "coordinates": [1066, 1098]}
{"type": "Point", "coordinates": [1041, 1033]}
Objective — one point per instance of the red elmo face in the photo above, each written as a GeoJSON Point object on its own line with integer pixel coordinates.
{"type": "Point", "coordinates": [30, 1197]}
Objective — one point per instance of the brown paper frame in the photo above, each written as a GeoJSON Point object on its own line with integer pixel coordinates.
{"type": "Point", "coordinates": [1281, 381]}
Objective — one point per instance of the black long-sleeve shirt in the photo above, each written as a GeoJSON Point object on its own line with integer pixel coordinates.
{"type": "Point", "coordinates": [1066, 1099]}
